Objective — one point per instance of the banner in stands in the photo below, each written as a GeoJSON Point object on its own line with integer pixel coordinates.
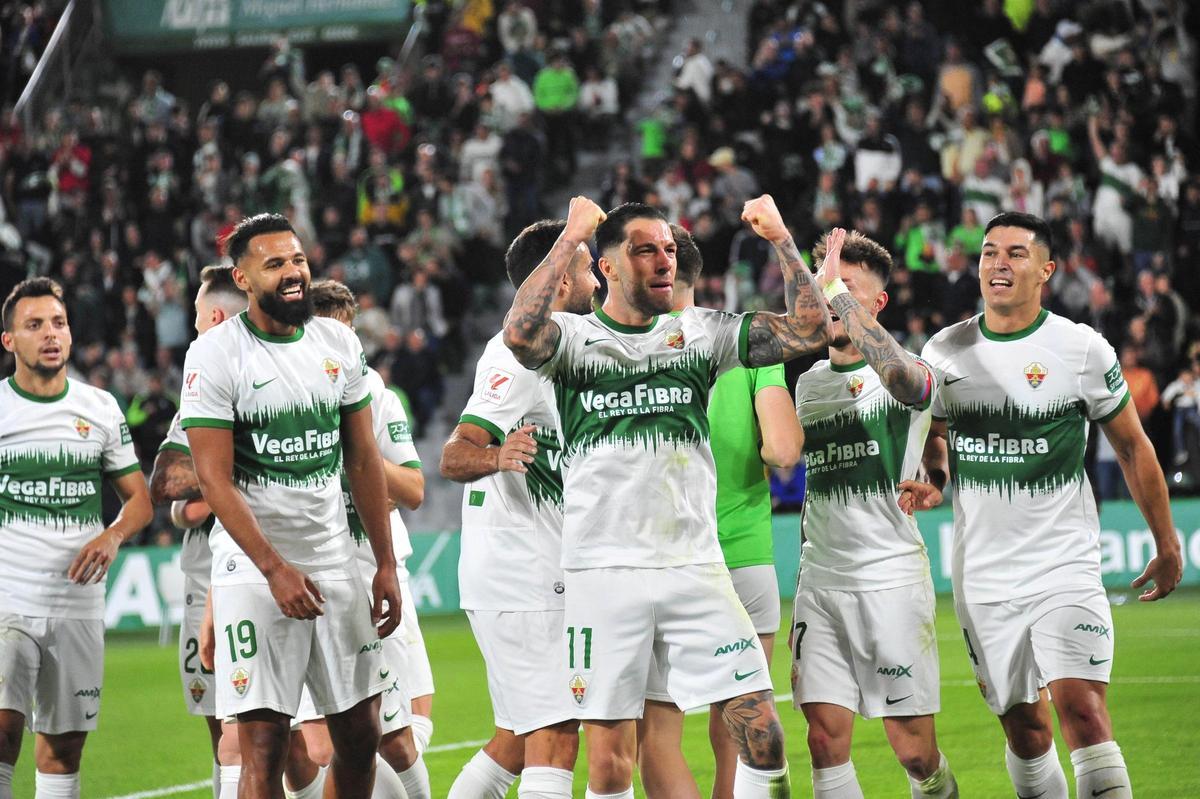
{"type": "Point", "coordinates": [143, 579]}
{"type": "Point", "coordinates": [152, 26]}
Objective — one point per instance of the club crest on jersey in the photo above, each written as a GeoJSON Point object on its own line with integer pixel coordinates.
{"type": "Point", "coordinates": [83, 427]}
{"type": "Point", "coordinates": [855, 386]}
{"type": "Point", "coordinates": [241, 681]}
{"type": "Point", "coordinates": [578, 688]}
{"type": "Point", "coordinates": [675, 340]}
{"type": "Point", "coordinates": [1035, 373]}
{"type": "Point", "coordinates": [332, 369]}
{"type": "Point", "coordinates": [197, 689]}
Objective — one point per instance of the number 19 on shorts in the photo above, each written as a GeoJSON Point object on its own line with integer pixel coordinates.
{"type": "Point", "coordinates": [585, 635]}
{"type": "Point", "coordinates": [242, 640]}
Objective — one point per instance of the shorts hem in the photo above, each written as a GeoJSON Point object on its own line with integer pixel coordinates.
{"type": "Point", "coordinates": [548, 721]}
{"type": "Point", "coordinates": [1105, 678]}
{"type": "Point", "coordinates": [263, 705]}
{"type": "Point", "coordinates": [889, 713]}
{"type": "Point", "coordinates": [798, 702]}
{"type": "Point", "coordinates": [344, 705]}
{"type": "Point", "coordinates": [87, 726]}
{"type": "Point", "coordinates": [722, 696]}
{"type": "Point", "coordinates": [1026, 700]}
{"type": "Point", "coordinates": [202, 712]}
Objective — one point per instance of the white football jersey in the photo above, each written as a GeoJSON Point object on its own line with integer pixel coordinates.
{"type": "Point", "coordinates": [1017, 407]}
{"type": "Point", "coordinates": [512, 522]}
{"type": "Point", "coordinates": [195, 557]}
{"type": "Point", "coordinates": [283, 397]}
{"type": "Point", "coordinates": [859, 444]}
{"type": "Point", "coordinates": [54, 454]}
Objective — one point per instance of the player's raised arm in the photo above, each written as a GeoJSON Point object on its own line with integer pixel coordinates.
{"type": "Point", "coordinates": [1144, 477]}
{"type": "Point", "coordinates": [904, 377]}
{"type": "Point", "coordinates": [804, 329]}
{"type": "Point", "coordinates": [926, 492]}
{"type": "Point", "coordinates": [471, 455]}
{"type": "Point", "coordinates": [528, 329]}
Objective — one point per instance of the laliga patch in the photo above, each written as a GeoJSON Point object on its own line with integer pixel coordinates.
{"type": "Point", "coordinates": [241, 681]}
{"type": "Point", "coordinates": [855, 386]}
{"type": "Point", "coordinates": [1035, 374]}
{"type": "Point", "coordinates": [332, 369]}
{"type": "Point", "coordinates": [197, 689]}
{"type": "Point", "coordinates": [496, 385]}
{"type": "Point", "coordinates": [191, 384]}
{"type": "Point", "coordinates": [578, 689]}
{"type": "Point", "coordinates": [83, 427]}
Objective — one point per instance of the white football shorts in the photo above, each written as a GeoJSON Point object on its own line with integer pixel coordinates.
{"type": "Point", "coordinates": [758, 589]}
{"type": "Point", "coordinates": [198, 682]}
{"type": "Point", "coordinates": [52, 671]}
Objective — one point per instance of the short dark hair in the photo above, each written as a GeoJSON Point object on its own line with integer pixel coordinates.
{"type": "Point", "coordinates": [333, 300]}
{"type": "Point", "coordinates": [612, 230]}
{"type": "Point", "coordinates": [859, 249]}
{"type": "Point", "coordinates": [688, 261]}
{"type": "Point", "coordinates": [33, 287]}
{"type": "Point", "coordinates": [530, 248]}
{"type": "Point", "coordinates": [238, 241]}
{"type": "Point", "coordinates": [1034, 224]}
{"type": "Point", "coordinates": [219, 279]}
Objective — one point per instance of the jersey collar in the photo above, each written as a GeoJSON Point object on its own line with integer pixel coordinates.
{"type": "Point", "coordinates": [608, 321]}
{"type": "Point", "coordinates": [270, 337]}
{"type": "Point", "coordinates": [1018, 334]}
{"type": "Point", "coordinates": [848, 367]}
{"type": "Point", "coordinates": [12, 382]}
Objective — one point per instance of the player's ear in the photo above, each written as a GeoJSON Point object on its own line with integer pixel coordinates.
{"type": "Point", "coordinates": [7, 340]}
{"type": "Point", "coordinates": [881, 301]}
{"type": "Point", "coordinates": [1048, 269]}
{"type": "Point", "coordinates": [607, 268]}
{"type": "Point", "coordinates": [239, 279]}
{"type": "Point", "coordinates": [217, 316]}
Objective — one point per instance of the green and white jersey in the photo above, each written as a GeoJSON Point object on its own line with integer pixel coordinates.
{"type": "Point", "coordinates": [195, 557]}
{"type": "Point", "coordinates": [859, 444]}
{"type": "Point", "coordinates": [54, 454]}
{"type": "Point", "coordinates": [1017, 407]}
{"type": "Point", "coordinates": [639, 484]}
{"type": "Point", "coordinates": [512, 522]}
{"type": "Point", "coordinates": [393, 434]}
{"type": "Point", "coordinates": [283, 397]}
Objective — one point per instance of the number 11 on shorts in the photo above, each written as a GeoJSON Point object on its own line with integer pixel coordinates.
{"type": "Point", "coordinates": [586, 634]}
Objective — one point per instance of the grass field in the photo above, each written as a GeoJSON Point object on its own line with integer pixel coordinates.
{"type": "Point", "coordinates": [147, 746]}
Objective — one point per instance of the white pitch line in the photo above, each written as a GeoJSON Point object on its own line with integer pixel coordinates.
{"type": "Point", "coordinates": [168, 791]}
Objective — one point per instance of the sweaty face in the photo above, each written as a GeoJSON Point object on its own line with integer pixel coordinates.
{"type": "Point", "coordinates": [1012, 268]}
{"type": "Point", "coordinates": [645, 264]}
{"type": "Point", "coordinates": [583, 285]}
{"type": "Point", "coordinates": [866, 287]}
{"type": "Point", "coordinates": [277, 277]}
{"type": "Point", "coordinates": [40, 337]}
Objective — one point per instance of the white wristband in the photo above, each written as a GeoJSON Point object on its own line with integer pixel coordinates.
{"type": "Point", "coordinates": [835, 288]}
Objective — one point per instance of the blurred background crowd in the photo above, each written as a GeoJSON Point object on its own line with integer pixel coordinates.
{"type": "Point", "coordinates": [407, 172]}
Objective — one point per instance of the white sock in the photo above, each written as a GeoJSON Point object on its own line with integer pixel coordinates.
{"type": "Point", "coordinates": [230, 776]}
{"type": "Point", "coordinates": [313, 790]}
{"type": "Point", "coordinates": [625, 794]}
{"type": "Point", "coordinates": [544, 782]}
{"type": "Point", "coordinates": [216, 780]}
{"type": "Point", "coordinates": [387, 784]}
{"type": "Point", "coordinates": [480, 778]}
{"type": "Point", "coordinates": [761, 783]}
{"type": "Point", "coordinates": [836, 782]}
{"type": "Point", "coordinates": [1100, 770]}
{"type": "Point", "coordinates": [1041, 776]}
{"type": "Point", "coordinates": [56, 786]}
{"type": "Point", "coordinates": [416, 780]}
{"type": "Point", "coordinates": [6, 772]}
{"type": "Point", "coordinates": [939, 784]}
{"type": "Point", "coordinates": [422, 732]}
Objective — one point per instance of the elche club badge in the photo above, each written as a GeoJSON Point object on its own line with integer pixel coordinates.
{"type": "Point", "coordinates": [1035, 374]}
{"type": "Point", "coordinates": [197, 689]}
{"type": "Point", "coordinates": [241, 681]}
{"type": "Point", "coordinates": [855, 386]}
{"type": "Point", "coordinates": [332, 369]}
{"type": "Point", "coordinates": [578, 688]}
{"type": "Point", "coordinates": [675, 340]}
{"type": "Point", "coordinates": [83, 427]}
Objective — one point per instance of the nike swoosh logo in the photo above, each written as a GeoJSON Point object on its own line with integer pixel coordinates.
{"type": "Point", "coordinates": [589, 342]}
{"type": "Point", "coordinates": [265, 382]}
{"type": "Point", "coordinates": [952, 381]}
{"type": "Point", "coordinates": [389, 717]}
{"type": "Point", "coordinates": [90, 715]}
{"type": "Point", "coordinates": [740, 677]}
{"type": "Point", "coordinates": [891, 701]}
{"type": "Point", "coordinates": [383, 674]}
{"type": "Point", "coordinates": [1106, 790]}
{"type": "Point", "coordinates": [1094, 662]}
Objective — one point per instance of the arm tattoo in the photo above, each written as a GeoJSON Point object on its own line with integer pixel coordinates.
{"type": "Point", "coordinates": [174, 478]}
{"type": "Point", "coordinates": [529, 331]}
{"type": "Point", "coordinates": [902, 375]}
{"type": "Point", "coordinates": [755, 727]}
{"type": "Point", "coordinates": [804, 329]}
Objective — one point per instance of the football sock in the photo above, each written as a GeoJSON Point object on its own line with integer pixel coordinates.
{"type": "Point", "coordinates": [313, 790]}
{"type": "Point", "coordinates": [387, 784]}
{"type": "Point", "coordinates": [1041, 776]}
{"type": "Point", "coordinates": [230, 775]}
{"type": "Point", "coordinates": [836, 782]}
{"type": "Point", "coordinates": [481, 778]}
{"type": "Point", "coordinates": [416, 780]}
{"type": "Point", "coordinates": [544, 782]}
{"type": "Point", "coordinates": [1100, 771]}
{"type": "Point", "coordinates": [625, 794]}
{"type": "Point", "coordinates": [761, 783]}
{"type": "Point", "coordinates": [6, 772]}
{"type": "Point", "coordinates": [939, 784]}
{"type": "Point", "coordinates": [56, 786]}
{"type": "Point", "coordinates": [422, 732]}
{"type": "Point", "coordinates": [216, 780]}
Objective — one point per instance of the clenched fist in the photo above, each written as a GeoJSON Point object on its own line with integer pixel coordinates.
{"type": "Point", "coordinates": [764, 217]}
{"type": "Point", "coordinates": [583, 217]}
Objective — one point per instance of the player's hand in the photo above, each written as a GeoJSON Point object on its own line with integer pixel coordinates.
{"type": "Point", "coordinates": [385, 588]}
{"type": "Point", "coordinates": [208, 637]}
{"type": "Point", "coordinates": [763, 216]}
{"type": "Point", "coordinates": [916, 495]}
{"type": "Point", "coordinates": [92, 562]}
{"type": "Point", "coordinates": [1166, 570]}
{"type": "Point", "coordinates": [583, 217]}
{"type": "Point", "coordinates": [831, 267]}
{"type": "Point", "coordinates": [517, 450]}
{"type": "Point", "coordinates": [295, 593]}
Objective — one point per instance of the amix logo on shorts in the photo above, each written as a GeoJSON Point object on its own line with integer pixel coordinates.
{"type": "Point", "coordinates": [1098, 629]}
{"type": "Point", "coordinates": [740, 645]}
{"type": "Point", "coordinates": [895, 672]}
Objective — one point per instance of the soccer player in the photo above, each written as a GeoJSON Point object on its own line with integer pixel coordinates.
{"type": "Point", "coordinates": [506, 449]}
{"type": "Point", "coordinates": [643, 568]}
{"type": "Point", "coordinates": [59, 440]}
{"type": "Point", "coordinates": [756, 426]}
{"type": "Point", "coordinates": [863, 638]}
{"type": "Point", "coordinates": [1019, 386]}
{"type": "Point", "coordinates": [174, 482]}
{"type": "Point", "coordinates": [271, 402]}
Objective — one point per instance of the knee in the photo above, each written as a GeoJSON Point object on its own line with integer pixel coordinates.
{"type": "Point", "coordinates": [1029, 739]}
{"type": "Point", "coordinates": [610, 772]}
{"type": "Point", "coordinates": [228, 753]}
{"type": "Point", "coordinates": [827, 749]}
{"type": "Point", "coordinates": [917, 762]}
{"type": "Point", "coordinates": [564, 745]}
{"type": "Point", "coordinates": [1086, 719]}
{"type": "Point", "coordinates": [399, 749]}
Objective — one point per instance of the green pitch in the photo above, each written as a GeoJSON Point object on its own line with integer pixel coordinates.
{"type": "Point", "coordinates": [147, 746]}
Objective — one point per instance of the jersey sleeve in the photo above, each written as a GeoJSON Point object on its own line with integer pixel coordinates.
{"type": "Point", "coordinates": [765, 376]}
{"type": "Point", "coordinates": [356, 394]}
{"type": "Point", "coordinates": [206, 397]}
{"type": "Point", "coordinates": [568, 328]}
{"type": "Point", "coordinates": [1102, 385]}
{"type": "Point", "coordinates": [176, 439]}
{"type": "Point", "coordinates": [931, 385]}
{"type": "Point", "coordinates": [929, 357]}
{"type": "Point", "coordinates": [119, 457]}
{"type": "Point", "coordinates": [730, 335]}
{"type": "Point", "coordinates": [504, 392]}
{"type": "Point", "coordinates": [393, 432]}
